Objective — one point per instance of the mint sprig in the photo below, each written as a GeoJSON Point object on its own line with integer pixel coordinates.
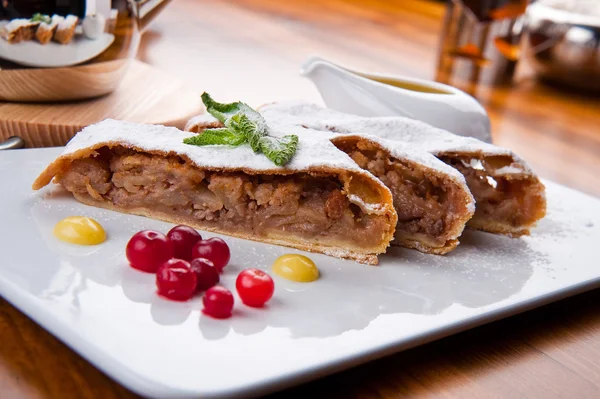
{"type": "Point", "coordinates": [37, 17]}
{"type": "Point", "coordinates": [244, 125]}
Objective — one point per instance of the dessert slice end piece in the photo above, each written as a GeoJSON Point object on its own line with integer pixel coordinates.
{"type": "Point", "coordinates": [65, 29]}
{"type": "Point", "coordinates": [510, 198]}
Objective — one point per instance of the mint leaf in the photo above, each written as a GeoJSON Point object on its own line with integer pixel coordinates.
{"type": "Point", "coordinates": [244, 125]}
{"type": "Point", "coordinates": [219, 136]}
{"type": "Point", "coordinates": [251, 130]}
{"type": "Point", "coordinates": [225, 111]}
{"type": "Point", "coordinates": [279, 150]}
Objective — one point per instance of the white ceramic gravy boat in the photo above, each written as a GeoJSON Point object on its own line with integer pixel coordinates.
{"type": "Point", "coordinates": [365, 94]}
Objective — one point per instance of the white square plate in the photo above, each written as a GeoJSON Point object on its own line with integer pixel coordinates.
{"type": "Point", "coordinates": [90, 299]}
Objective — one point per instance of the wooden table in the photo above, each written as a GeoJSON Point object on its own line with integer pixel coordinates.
{"type": "Point", "coordinates": [251, 50]}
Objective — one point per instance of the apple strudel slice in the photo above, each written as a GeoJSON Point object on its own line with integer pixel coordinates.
{"type": "Point", "coordinates": [509, 197]}
{"type": "Point", "coordinates": [65, 30]}
{"type": "Point", "coordinates": [431, 199]}
{"type": "Point", "coordinates": [48, 26]}
{"type": "Point", "coordinates": [320, 201]}
{"type": "Point", "coordinates": [19, 30]}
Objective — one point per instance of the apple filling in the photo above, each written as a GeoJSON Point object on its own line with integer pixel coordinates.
{"type": "Point", "coordinates": [507, 203]}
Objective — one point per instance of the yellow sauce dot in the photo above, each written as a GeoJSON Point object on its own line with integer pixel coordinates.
{"type": "Point", "coordinates": [79, 230]}
{"type": "Point", "coordinates": [296, 268]}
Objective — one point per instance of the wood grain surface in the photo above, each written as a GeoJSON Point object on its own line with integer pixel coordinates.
{"type": "Point", "coordinates": [251, 50]}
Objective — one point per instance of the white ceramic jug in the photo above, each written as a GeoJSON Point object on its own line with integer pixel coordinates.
{"type": "Point", "coordinates": [365, 94]}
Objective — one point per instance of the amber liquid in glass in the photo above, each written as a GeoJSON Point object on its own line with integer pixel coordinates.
{"type": "Point", "coordinates": [471, 28]}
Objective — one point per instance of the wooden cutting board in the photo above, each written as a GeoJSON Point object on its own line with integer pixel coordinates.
{"type": "Point", "coordinates": [146, 94]}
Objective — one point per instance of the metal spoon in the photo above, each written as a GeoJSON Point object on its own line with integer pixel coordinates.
{"type": "Point", "coordinates": [12, 143]}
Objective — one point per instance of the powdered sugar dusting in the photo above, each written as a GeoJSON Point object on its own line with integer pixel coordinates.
{"type": "Point", "coordinates": [68, 22]}
{"type": "Point", "coordinates": [507, 170]}
{"type": "Point", "coordinates": [200, 120]}
{"type": "Point", "coordinates": [19, 23]}
{"type": "Point", "coordinates": [375, 208]}
{"type": "Point", "coordinates": [311, 153]}
{"type": "Point", "coordinates": [419, 135]}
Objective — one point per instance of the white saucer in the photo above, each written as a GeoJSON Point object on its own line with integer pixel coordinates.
{"type": "Point", "coordinates": [54, 55]}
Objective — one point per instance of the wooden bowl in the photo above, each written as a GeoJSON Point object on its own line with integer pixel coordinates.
{"type": "Point", "coordinates": [62, 84]}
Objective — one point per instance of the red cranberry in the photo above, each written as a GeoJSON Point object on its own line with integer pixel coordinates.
{"type": "Point", "coordinates": [183, 239]}
{"type": "Point", "coordinates": [254, 287]}
{"type": "Point", "coordinates": [213, 249]}
{"type": "Point", "coordinates": [147, 250]}
{"type": "Point", "coordinates": [176, 280]}
{"type": "Point", "coordinates": [206, 273]}
{"type": "Point", "coordinates": [218, 302]}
